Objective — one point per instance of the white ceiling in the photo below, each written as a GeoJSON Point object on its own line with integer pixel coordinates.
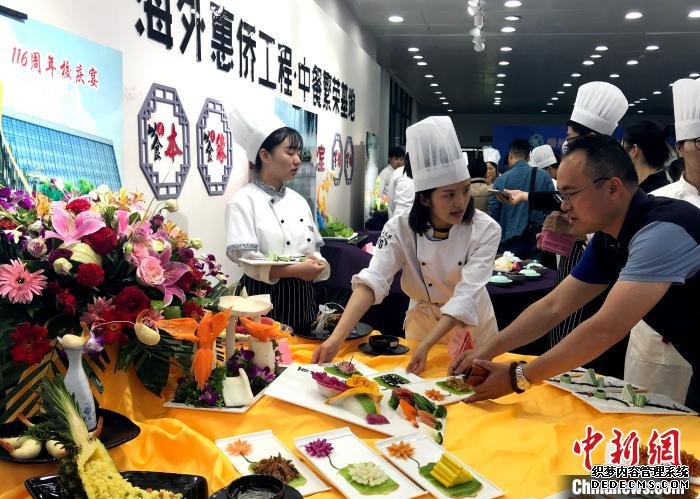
{"type": "Point", "coordinates": [551, 41]}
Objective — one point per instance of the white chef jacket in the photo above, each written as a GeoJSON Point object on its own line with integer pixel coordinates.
{"type": "Point", "coordinates": [383, 178]}
{"type": "Point", "coordinates": [401, 192]}
{"type": "Point", "coordinates": [439, 276]}
{"type": "Point", "coordinates": [650, 362]}
{"type": "Point", "coordinates": [261, 220]}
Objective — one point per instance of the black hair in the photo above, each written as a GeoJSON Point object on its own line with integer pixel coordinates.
{"type": "Point", "coordinates": [276, 138]}
{"type": "Point", "coordinates": [605, 158]}
{"type": "Point", "coordinates": [676, 169]}
{"type": "Point", "coordinates": [419, 217]}
{"type": "Point", "coordinates": [477, 168]}
{"type": "Point", "coordinates": [557, 156]}
{"type": "Point", "coordinates": [520, 148]}
{"type": "Point", "coordinates": [397, 152]}
{"type": "Point", "coordinates": [580, 129]}
{"type": "Point", "coordinates": [651, 139]}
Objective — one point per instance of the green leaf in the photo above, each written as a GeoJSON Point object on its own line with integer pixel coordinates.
{"type": "Point", "coordinates": [468, 489]}
{"type": "Point", "coordinates": [157, 304]}
{"type": "Point", "coordinates": [134, 217]}
{"type": "Point", "coordinates": [383, 488]}
{"type": "Point", "coordinates": [92, 375]}
{"type": "Point", "coordinates": [453, 391]}
{"type": "Point", "coordinates": [154, 374]}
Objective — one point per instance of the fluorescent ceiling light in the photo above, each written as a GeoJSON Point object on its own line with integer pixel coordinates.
{"type": "Point", "coordinates": [614, 75]}
{"type": "Point", "coordinates": [595, 56]}
{"type": "Point", "coordinates": [501, 75]}
{"type": "Point", "coordinates": [417, 56]}
{"type": "Point", "coordinates": [656, 92]}
{"type": "Point", "coordinates": [575, 75]}
{"type": "Point", "coordinates": [632, 62]}
{"type": "Point", "coordinates": [512, 3]}
{"type": "Point", "coordinates": [635, 14]}
{"type": "Point", "coordinates": [429, 76]}
{"type": "Point", "coordinates": [694, 14]}
{"type": "Point", "coordinates": [566, 84]}
{"type": "Point", "coordinates": [513, 18]}
{"type": "Point", "coordinates": [652, 47]}
{"type": "Point", "coordinates": [422, 63]}
{"type": "Point", "coordinates": [395, 19]}
{"type": "Point", "coordinates": [601, 48]}
{"type": "Point", "coordinates": [507, 29]}
{"type": "Point", "coordinates": [434, 85]}
{"type": "Point", "coordinates": [588, 62]}
{"type": "Point", "coordinates": [413, 49]}
{"type": "Point", "coordinates": [503, 63]}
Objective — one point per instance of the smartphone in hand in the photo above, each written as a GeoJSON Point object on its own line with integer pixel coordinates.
{"type": "Point", "coordinates": [500, 192]}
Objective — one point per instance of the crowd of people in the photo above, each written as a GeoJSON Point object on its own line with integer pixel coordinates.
{"type": "Point", "coordinates": [625, 292]}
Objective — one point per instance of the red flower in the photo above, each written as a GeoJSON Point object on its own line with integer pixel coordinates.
{"type": "Point", "coordinates": [160, 129]}
{"type": "Point", "coordinates": [212, 135]}
{"type": "Point", "coordinates": [192, 310]}
{"type": "Point", "coordinates": [130, 301]}
{"type": "Point", "coordinates": [189, 280]}
{"type": "Point", "coordinates": [65, 300]}
{"type": "Point", "coordinates": [78, 205]}
{"type": "Point", "coordinates": [103, 241]}
{"type": "Point", "coordinates": [7, 224]}
{"type": "Point", "coordinates": [31, 343]}
{"type": "Point", "coordinates": [111, 327]}
{"type": "Point", "coordinates": [90, 274]}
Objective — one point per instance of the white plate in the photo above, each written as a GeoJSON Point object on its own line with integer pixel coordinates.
{"type": "Point", "coordinates": [348, 449]}
{"type": "Point", "coordinates": [428, 451]}
{"type": "Point", "coordinates": [296, 386]}
{"type": "Point", "coordinates": [339, 238]}
{"type": "Point", "coordinates": [612, 384]}
{"type": "Point", "coordinates": [412, 378]}
{"type": "Point", "coordinates": [266, 444]}
{"type": "Point", "coordinates": [614, 407]}
{"type": "Point", "coordinates": [259, 262]}
{"type": "Point", "coordinates": [235, 410]}
{"type": "Point", "coordinates": [431, 384]}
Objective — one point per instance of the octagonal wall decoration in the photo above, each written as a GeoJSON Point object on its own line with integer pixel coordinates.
{"type": "Point", "coordinates": [349, 160]}
{"type": "Point", "coordinates": [337, 159]}
{"type": "Point", "coordinates": [214, 147]}
{"type": "Point", "coordinates": [164, 141]}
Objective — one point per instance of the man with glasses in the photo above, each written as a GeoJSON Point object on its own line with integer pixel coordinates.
{"type": "Point", "coordinates": [646, 250]}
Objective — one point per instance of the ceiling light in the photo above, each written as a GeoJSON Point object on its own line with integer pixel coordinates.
{"type": "Point", "coordinates": [550, 103]}
{"type": "Point", "coordinates": [503, 63]}
{"type": "Point", "coordinates": [694, 75]}
{"type": "Point", "coordinates": [554, 98]}
{"type": "Point", "coordinates": [445, 103]}
{"type": "Point", "coordinates": [437, 92]}
{"type": "Point", "coordinates": [422, 63]}
{"type": "Point", "coordinates": [498, 92]}
{"type": "Point", "coordinates": [566, 84]}
{"type": "Point", "coordinates": [632, 62]}
{"type": "Point", "coordinates": [588, 62]}
{"type": "Point", "coordinates": [501, 75]}
{"type": "Point", "coordinates": [543, 111]}
{"type": "Point", "coordinates": [632, 105]}
{"type": "Point", "coordinates": [506, 49]}
{"type": "Point", "coordinates": [413, 49]}
{"type": "Point", "coordinates": [429, 76]}
{"type": "Point", "coordinates": [449, 110]}
{"type": "Point", "coordinates": [640, 111]}
{"type": "Point", "coordinates": [643, 99]}
{"type": "Point", "coordinates": [507, 29]}
{"type": "Point", "coordinates": [694, 14]}
{"type": "Point", "coordinates": [500, 84]}
{"type": "Point", "coordinates": [575, 75]}
{"type": "Point", "coordinates": [512, 3]}
{"type": "Point", "coordinates": [614, 75]}
{"type": "Point", "coordinates": [560, 92]}
{"type": "Point", "coordinates": [395, 19]}
{"type": "Point", "coordinates": [596, 56]}
{"type": "Point", "coordinates": [513, 18]}
{"type": "Point", "coordinates": [601, 48]}
{"type": "Point", "coordinates": [635, 14]}
{"type": "Point", "coordinates": [652, 47]}
{"type": "Point", "coordinates": [434, 85]}
{"type": "Point", "coordinates": [637, 101]}
{"type": "Point", "coordinates": [496, 103]}
{"type": "Point", "coordinates": [656, 92]}
{"type": "Point", "coordinates": [442, 98]}
{"type": "Point", "coordinates": [417, 56]}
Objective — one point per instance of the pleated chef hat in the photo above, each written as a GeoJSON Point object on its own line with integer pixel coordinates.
{"type": "Point", "coordinates": [466, 157]}
{"type": "Point", "coordinates": [436, 157]}
{"type": "Point", "coordinates": [251, 126]}
{"type": "Point", "coordinates": [542, 156]}
{"type": "Point", "coordinates": [491, 155]}
{"type": "Point", "coordinates": [599, 106]}
{"type": "Point", "coordinates": [686, 108]}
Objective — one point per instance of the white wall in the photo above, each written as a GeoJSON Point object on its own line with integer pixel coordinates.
{"type": "Point", "coordinates": [301, 24]}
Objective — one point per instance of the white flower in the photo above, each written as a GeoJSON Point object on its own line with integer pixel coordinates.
{"type": "Point", "coordinates": [367, 473]}
{"type": "Point", "coordinates": [196, 243]}
{"type": "Point", "coordinates": [171, 205]}
{"type": "Point", "coordinates": [62, 266]}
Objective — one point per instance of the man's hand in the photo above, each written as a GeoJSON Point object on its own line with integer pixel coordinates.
{"type": "Point", "coordinates": [495, 385]}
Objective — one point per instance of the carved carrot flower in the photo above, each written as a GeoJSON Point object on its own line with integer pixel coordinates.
{"type": "Point", "coordinates": [402, 450]}
{"type": "Point", "coordinates": [240, 448]}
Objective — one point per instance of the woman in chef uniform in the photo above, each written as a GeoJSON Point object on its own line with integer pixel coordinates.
{"type": "Point", "coordinates": [264, 217]}
{"type": "Point", "coordinates": [444, 247]}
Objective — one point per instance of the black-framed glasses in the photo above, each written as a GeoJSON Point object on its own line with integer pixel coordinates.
{"type": "Point", "coordinates": [695, 141]}
{"type": "Point", "coordinates": [566, 196]}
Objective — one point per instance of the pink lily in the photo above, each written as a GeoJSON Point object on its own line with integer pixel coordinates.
{"type": "Point", "coordinates": [69, 229]}
{"type": "Point", "coordinates": [172, 273]}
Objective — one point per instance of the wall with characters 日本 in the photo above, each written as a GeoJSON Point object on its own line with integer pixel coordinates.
{"type": "Point", "coordinates": [182, 73]}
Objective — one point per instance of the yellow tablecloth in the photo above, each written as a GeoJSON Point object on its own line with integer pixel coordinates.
{"type": "Point", "coordinates": [522, 443]}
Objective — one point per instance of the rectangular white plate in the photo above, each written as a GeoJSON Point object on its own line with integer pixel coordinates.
{"type": "Point", "coordinates": [235, 410]}
{"type": "Point", "coordinates": [348, 449]}
{"type": "Point", "coordinates": [431, 384]}
{"type": "Point", "coordinates": [339, 238]}
{"type": "Point", "coordinates": [264, 261]}
{"type": "Point", "coordinates": [412, 378]}
{"type": "Point", "coordinates": [428, 451]}
{"type": "Point", "coordinates": [615, 407]}
{"type": "Point", "coordinates": [265, 444]}
{"type": "Point", "coordinates": [577, 379]}
{"type": "Point", "coordinates": [296, 386]}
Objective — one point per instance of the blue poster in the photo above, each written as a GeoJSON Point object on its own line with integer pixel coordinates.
{"type": "Point", "coordinates": [536, 135]}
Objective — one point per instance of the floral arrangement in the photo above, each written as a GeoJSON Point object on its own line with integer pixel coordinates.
{"type": "Point", "coordinates": [74, 257]}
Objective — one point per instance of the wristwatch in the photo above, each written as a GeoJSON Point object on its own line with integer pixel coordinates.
{"type": "Point", "coordinates": [520, 380]}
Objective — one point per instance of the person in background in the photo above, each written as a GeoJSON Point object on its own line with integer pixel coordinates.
{"type": "Point", "coordinates": [264, 217]}
{"type": "Point", "coordinates": [491, 158]}
{"type": "Point", "coordinates": [543, 157]}
{"type": "Point", "coordinates": [479, 189]}
{"type": "Point", "coordinates": [676, 169]}
{"type": "Point", "coordinates": [519, 224]}
{"type": "Point", "coordinates": [401, 191]}
{"type": "Point", "coordinates": [646, 144]}
{"type": "Point", "coordinates": [651, 360]}
{"type": "Point", "coordinates": [397, 156]}
{"type": "Point", "coordinates": [444, 247]}
{"type": "Point", "coordinates": [646, 251]}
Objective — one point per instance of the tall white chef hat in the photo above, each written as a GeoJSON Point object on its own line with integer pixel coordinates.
{"type": "Point", "coordinates": [251, 126]}
{"type": "Point", "coordinates": [599, 106]}
{"type": "Point", "coordinates": [466, 157]}
{"type": "Point", "coordinates": [436, 157]}
{"type": "Point", "coordinates": [686, 108]}
{"type": "Point", "coordinates": [542, 156]}
{"type": "Point", "coordinates": [491, 155]}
